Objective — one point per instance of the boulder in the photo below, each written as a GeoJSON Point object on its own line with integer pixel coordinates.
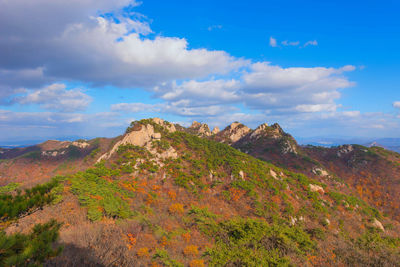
{"type": "Point", "coordinates": [378, 224]}
{"type": "Point", "coordinates": [273, 174]}
{"type": "Point", "coordinates": [316, 188]}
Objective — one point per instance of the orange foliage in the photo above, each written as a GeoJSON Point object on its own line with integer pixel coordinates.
{"type": "Point", "coordinates": [149, 199]}
{"type": "Point", "coordinates": [172, 194]}
{"type": "Point", "coordinates": [191, 250]}
{"type": "Point", "coordinates": [176, 208]}
{"type": "Point", "coordinates": [131, 241]}
{"type": "Point", "coordinates": [156, 187]}
{"type": "Point", "coordinates": [197, 263]}
{"type": "Point", "coordinates": [236, 193]}
{"type": "Point", "coordinates": [164, 241]}
{"type": "Point", "coordinates": [276, 199]}
{"type": "Point", "coordinates": [127, 186]}
{"type": "Point", "coordinates": [186, 236]}
{"type": "Point", "coordinates": [143, 252]}
{"type": "Point", "coordinates": [96, 197]}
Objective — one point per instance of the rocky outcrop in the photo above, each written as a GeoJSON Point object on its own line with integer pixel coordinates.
{"type": "Point", "coordinates": [344, 150]}
{"type": "Point", "coordinates": [54, 145]}
{"type": "Point", "coordinates": [377, 224]}
{"type": "Point", "coordinates": [320, 172]}
{"type": "Point", "coordinates": [200, 129]}
{"type": "Point", "coordinates": [316, 188]}
{"type": "Point", "coordinates": [51, 145]}
{"type": "Point", "coordinates": [139, 136]}
{"type": "Point", "coordinates": [80, 144]}
{"type": "Point", "coordinates": [215, 130]}
{"type": "Point", "coordinates": [259, 131]}
{"type": "Point", "coordinates": [273, 174]}
{"type": "Point", "coordinates": [166, 125]}
{"type": "Point", "coordinates": [235, 132]}
{"type": "Point", "coordinates": [142, 135]}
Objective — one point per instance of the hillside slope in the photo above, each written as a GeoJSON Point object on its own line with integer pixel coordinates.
{"type": "Point", "coordinates": [161, 196]}
{"type": "Point", "coordinates": [373, 173]}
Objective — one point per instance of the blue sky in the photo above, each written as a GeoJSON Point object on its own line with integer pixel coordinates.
{"type": "Point", "coordinates": [87, 68]}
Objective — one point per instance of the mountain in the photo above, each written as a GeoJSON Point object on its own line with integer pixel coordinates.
{"type": "Point", "coordinates": [165, 195]}
{"type": "Point", "coordinates": [373, 172]}
{"type": "Point", "coordinates": [387, 143]}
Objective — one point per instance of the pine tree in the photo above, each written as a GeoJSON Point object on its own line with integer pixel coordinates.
{"type": "Point", "coordinates": [30, 249]}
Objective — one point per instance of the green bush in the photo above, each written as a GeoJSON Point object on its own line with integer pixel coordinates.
{"type": "Point", "coordinates": [12, 206]}
{"type": "Point", "coordinates": [30, 249]}
{"type": "Point", "coordinates": [9, 188]}
{"type": "Point", "coordinates": [252, 242]}
{"type": "Point", "coordinates": [100, 195]}
{"type": "Point", "coordinates": [163, 256]}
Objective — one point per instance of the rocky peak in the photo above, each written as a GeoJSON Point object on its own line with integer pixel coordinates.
{"type": "Point", "coordinates": [195, 124]}
{"type": "Point", "coordinates": [215, 130]}
{"type": "Point", "coordinates": [201, 129]}
{"type": "Point", "coordinates": [259, 130]}
{"type": "Point", "coordinates": [235, 131]}
{"type": "Point", "coordinates": [165, 124]}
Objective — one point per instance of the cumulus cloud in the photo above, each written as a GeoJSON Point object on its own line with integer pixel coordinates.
{"type": "Point", "coordinates": [273, 42]}
{"type": "Point", "coordinates": [57, 97]}
{"type": "Point", "coordinates": [265, 89]}
{"type": "Point", "coordinates": [44, 42]}
{"type": "Point", "coordinates": [311, 43]}
{"type": "Point", "coordinates": [396, 104]}
{"type": "Point", "coordinates": [293, 89]}
{"type": "Point", "coordinates": [81, 45]}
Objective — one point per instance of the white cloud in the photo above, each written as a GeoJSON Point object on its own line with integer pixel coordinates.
{"type": "Point", "coordinates": [316, 107]}
{"type": "Point", "coordinates": [56, 40]}
{"type": "Point", "coordinates": [57, 97]}
{"type": "Point", "coordinates": [273, 42]}
{"type": "Point", "coordinates": [137, 107]}
{"type": "Point", "coordinates": [263, 88]}
{"type": "Point", "coordinates": [312, 43]}
{"type": "Point", "coordinates": [287, 43]}
{"type": "Point", "coordinates": [214, 27]}
{"type": "Point", "coordinates": [80, 45]}
{"type": "Point", "coordinates": [205, 92]}
{"type": "Point", "coordinates": [353, 113]}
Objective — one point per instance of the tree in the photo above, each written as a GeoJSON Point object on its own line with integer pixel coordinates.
{"type": "Point", "coordinates": [30, 249]}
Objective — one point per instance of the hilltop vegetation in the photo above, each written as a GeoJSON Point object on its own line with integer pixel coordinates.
{"type": "Point", "coordinates": [185, 200]}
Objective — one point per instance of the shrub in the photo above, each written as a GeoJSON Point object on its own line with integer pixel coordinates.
{"type": "Point", "coordinates": [250, 242]}
{"type": "Point", "coordinates": [100, 195]}
{"type": "Point", "coordinates": [176, 208]}
{"type": "Point", "coordinates": [197, 263]}
{"type": "Point", "coordinates": [9, 188]}
{"type": "Point", "coordinates": [13, 206]}
{"type": "Point", "coordinates": [163, 256]}
{"type": "Point", "coordinates": [143, 252]}
{"type": "Point", "coordinates": [191, 250]}
{"type": "Point", "coordinates": [30, 249]}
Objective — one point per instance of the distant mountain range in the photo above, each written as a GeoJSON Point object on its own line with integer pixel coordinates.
{"type": "Point", "coordinates": [388, 143]}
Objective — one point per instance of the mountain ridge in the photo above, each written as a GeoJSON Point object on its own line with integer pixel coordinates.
{"type": "Point", "coordinates": [184, 197]}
